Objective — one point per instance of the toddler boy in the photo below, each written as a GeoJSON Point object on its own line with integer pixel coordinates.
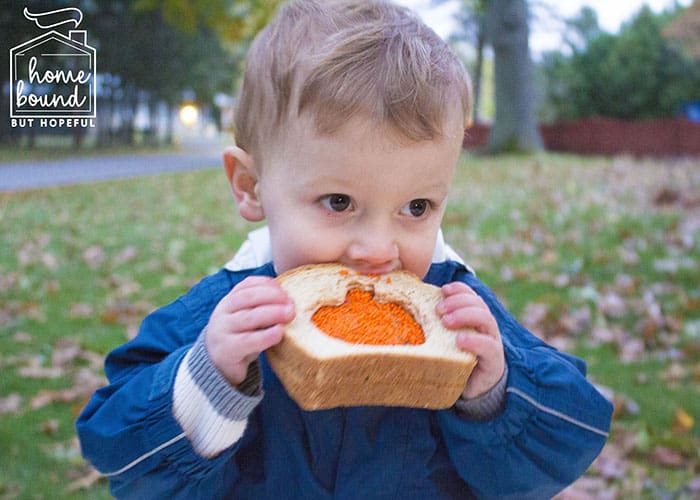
{"type": "Point", "coordinates": [349, 125]}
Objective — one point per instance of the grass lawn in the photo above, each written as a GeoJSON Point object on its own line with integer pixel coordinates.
{"type": "Point", "coordinates": [599, 256]}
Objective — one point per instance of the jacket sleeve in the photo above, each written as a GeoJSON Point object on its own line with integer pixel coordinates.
{"type": "Point", "coordinates": [128, 430]}
{"type": "Point", "coordinates": [553, 425]}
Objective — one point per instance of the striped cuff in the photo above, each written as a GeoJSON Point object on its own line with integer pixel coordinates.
{"type": "Point", "coordinates": [487, 406]}
{"type": "Point", "coordinates": [211, 411]}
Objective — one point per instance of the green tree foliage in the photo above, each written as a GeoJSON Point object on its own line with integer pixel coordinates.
{"type": "Point", "coordinates": [472, 21]}
{"type": "Point", "coordinates": [686, 29]}
{"type": "Point", "coordinates": [153, 51]}
{"type": "Point", "coordinates": [232, 20]}
{"type": "Point", "coordinates": [637, 74]}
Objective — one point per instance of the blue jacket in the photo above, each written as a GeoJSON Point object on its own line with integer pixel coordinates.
{"type": "Point", "coordinates": [552, 427]}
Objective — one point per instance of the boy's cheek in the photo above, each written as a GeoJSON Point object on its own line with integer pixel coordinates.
{"type": "Point", "coordinates": [299, 245]}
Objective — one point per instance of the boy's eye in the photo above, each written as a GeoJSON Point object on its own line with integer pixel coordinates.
{"type": "Point", "coordinates": [336, 202]}
{"type": "Point", "coordinates": [416, 208]}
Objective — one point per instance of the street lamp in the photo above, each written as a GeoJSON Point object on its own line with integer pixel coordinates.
{"type": "Point", "coordinates": [189, 114]}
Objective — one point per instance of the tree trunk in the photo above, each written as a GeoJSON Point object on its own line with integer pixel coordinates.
{"type": "Point", "coordinates": [515, 125]}
{"type": "Point", "coordinates": [478, 71]}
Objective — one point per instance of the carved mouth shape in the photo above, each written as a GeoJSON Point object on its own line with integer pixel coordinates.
{"type": "Point", "coordinates": [361, 319]}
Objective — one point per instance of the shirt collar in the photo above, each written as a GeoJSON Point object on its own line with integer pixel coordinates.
{"type": "Point", "coordinates": [256, 251]}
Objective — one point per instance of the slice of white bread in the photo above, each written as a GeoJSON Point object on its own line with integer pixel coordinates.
{"type": "Point", "coordinates": [319, 371]}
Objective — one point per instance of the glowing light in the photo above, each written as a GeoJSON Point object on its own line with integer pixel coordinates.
{"type": "Point", "coordinates": [189, 114]}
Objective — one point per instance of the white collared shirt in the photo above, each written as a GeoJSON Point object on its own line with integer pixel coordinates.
{"type": "Point", "coordinates": [256, 251]}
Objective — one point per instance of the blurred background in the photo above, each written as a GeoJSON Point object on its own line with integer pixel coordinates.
{"type": "Point", "coordinates": [577, 200]}
{"type": "Point", "coordinates": [167, 71]}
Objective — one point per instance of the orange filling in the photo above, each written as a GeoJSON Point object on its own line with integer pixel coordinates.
{"type": "Point", "coordinates": [363, 320]}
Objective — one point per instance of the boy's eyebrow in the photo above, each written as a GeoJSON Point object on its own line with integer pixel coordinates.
{"type": "Point", "coordinates": [442, 189]}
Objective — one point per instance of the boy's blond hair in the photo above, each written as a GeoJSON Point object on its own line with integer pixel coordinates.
{"type": "Point", "coordinates": [339, 59]}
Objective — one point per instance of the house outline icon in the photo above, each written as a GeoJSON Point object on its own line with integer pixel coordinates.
{"type": "Point", "coordinates": [76, 45]}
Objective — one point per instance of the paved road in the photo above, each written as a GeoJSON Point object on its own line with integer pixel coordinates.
{"type": "Point", "coordinates": [35, 174]}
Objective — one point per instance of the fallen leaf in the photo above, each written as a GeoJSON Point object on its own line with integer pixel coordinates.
{"type": "Point", "coordinates": [666, 457]}
{"type": "Point", "coordinates": [667, 196]}
{"type": "Point", "coordinates": [65, 352]}
{"type": "Point", "coordinates": [94, 256]}
{"type": "Point", "coordinates": [8, 281]}
{"type": "Point", "coordinates": [46, 397]}
{"type": "Point", "coordinates": [611, 467]}
{"type": "Point", "coordinates": [612, 305]}
{"type": "Point", "coordinates": [575, 322]}
{"type": "Point", "coordinates": [127, 254]}
{"type": "Point", "coordinates": [10, 404]}
{"type": "Point", "coordinates": [534, 316]}
{"type": "Point", "coordinates": [625, 284]}
{"type": "Point", "coordinates": [675, 373]}
{"type": "Point", "coordinates": [80, 310]}
{"type": "Point", "coordinates": [22, 337]}
{"type": "Point", "coordinates": [86, 482]}
{"type": "Point", "coordinates": [50, 426]}
{"type": "Point", "coordinates": [34, 369]}
{"type": "Point", "coordinates": [589, 488]}
{"type": "Point", "coordinates": [631, 349]}
{"type": "Point", "coordinates": [603, 335]}
{"type": "Point", "coordinates": [682, 422]}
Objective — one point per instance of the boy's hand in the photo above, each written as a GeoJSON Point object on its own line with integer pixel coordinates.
{"type": "Point", "coordinates": [248, 320]}
{"type": "Point", "coordinates": [463, 308]}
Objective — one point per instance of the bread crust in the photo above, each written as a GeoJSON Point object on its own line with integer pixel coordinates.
{"type": "Point", "coordinates": [319, 371]}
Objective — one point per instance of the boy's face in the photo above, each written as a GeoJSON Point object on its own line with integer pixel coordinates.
{"type": "Point", "coordinates": [359, 197]}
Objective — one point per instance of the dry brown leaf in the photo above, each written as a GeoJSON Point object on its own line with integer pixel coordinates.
{"type": "Point", "coordinates": [65, 352]}
{"type": "Point", "coordinates": [10, 404]}
{"type": "Point", "coordinates": [34, 369]}
{"type": "Point", "coordinates": [603, 335]}
{"type": "Point", "coordinates": [8, 281]}
{"type": "Point", "coordinates": [611, 463]}
{"type": "Point", "coordinates": [589, 488]}
{"type": "Point", "coordinates": [575, 322]}
{"type": "Point", "coordinates": [675, 373]}
{"type": "Point", "coordinates": [80, 310]}
{"type": "Point", "coordinates": [667, 457]}
{"type": "Point", "coordinates": [87, 481]}
{"type": "Point", "coordinates": [46, 397]}
{"type": "Point", "coordinates": [625, 284]}
{"type": "Point", "coordinates": [95, 361]}
{"type": "Point", "coordinates": [534, 316]}
{"type": "Point", "coordinates": [127, 254]}
{"type": "Point", "coordinates": [682, 422]}
{"type": "Point", "coordinates": [94, 256]}
{"type": "Point", "coordinates": [50, 426]}
{"type": "Point", "coordinates": [22, 338]}
{"type": "Point", "coordinates": [612, 305]}
{"type": "Point", "coordinates": [630, 349]}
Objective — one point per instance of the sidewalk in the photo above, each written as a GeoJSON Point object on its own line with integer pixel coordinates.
{"type": "Point", "coordinates": [45, 173]}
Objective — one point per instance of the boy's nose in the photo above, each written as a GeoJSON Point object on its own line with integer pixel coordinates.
{"type": "Point", "coordinates": [374, 252]}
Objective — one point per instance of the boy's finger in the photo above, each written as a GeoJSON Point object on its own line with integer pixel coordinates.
{"type": "Point", "coordinates": [253, 296]}
{"type": "Point", "coordinates": [249, 345]}
{"type": "Point", "coordinates": [457, 301]}
{"type": "Point", "coordinates": [261, 317]}
{"type": "Point", "coordinates": [456, 287]}
{"type": "Point", "coordinates": [487, 349]}
{"type": "Point", "coordinates": [473, 317]}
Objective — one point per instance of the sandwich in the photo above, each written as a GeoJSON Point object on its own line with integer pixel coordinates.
{"type": "Point", "coordinates": [361, 339]}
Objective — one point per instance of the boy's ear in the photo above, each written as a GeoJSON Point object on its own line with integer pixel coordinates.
{"type": "Point", "coordinates": [240, 171]}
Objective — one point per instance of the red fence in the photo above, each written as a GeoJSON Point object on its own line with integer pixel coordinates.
{"type": "Point", "coordinates": [603, 136]}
